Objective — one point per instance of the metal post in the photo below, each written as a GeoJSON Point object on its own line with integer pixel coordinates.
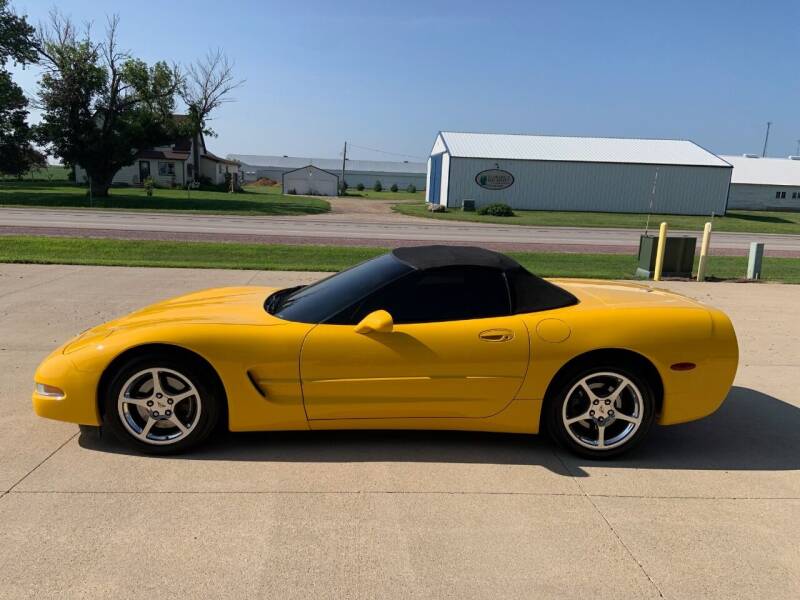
{"type": "Point", "coordinates": [343, 190]}
{"type": "Point", "coordinates": [701, 266]}
{"type": "Point", "coordinates": [662, 242]}
{"type": "Point", "coordinates": [754, 260]}
{"type": "Point", "coordinates": [766, 139]}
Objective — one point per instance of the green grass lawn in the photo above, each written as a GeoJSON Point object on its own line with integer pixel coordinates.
{"type": "Point", "coordinates": [255, 200]}
{"type": "Point", "coordinates": [49, 173]}
{"type": "Point", "coordinates": [738, 220]}
{"type": "Point", "coordinates": [58, 250]}
{"type": "Point", "coordinates": [386, 195]}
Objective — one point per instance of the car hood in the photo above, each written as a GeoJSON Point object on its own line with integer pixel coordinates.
{"type": "Point", "coordinates": [229, 305]}
{"type": "Point", "coordinates": [614, 294]}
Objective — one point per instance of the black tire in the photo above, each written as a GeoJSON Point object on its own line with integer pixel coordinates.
{"type": "Point", "coordinates": [598, 375]}
{"type": "Point", "coordinates": [198, 412]}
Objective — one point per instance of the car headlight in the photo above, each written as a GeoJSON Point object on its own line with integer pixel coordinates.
{"type": "Point", "coordinates": [50, 391]}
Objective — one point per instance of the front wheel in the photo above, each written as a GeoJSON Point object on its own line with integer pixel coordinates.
{"type": "Point", "coordinates": [602, 412]}
{"type": "Point", "coordinates": [160, 405]}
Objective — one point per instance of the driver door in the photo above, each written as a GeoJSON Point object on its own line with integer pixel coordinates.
{"type": "Point", "coordinates": [454, 351]}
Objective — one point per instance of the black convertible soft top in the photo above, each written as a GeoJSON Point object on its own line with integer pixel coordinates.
{"type": "Point", "coordinates": [432, 257]}
{"type": "Point", "coordinates": [528, 292]}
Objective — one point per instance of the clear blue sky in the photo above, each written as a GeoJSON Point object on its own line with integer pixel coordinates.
{"type": "Point", "coordinates": [390, 75]}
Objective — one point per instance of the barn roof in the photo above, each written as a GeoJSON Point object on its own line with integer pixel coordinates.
{"type": "Point", "coordinates": [764, 171]}
{"type": "Point", "coordinates": [330, 164]}
{"type": "Point", "coordinates": [578, 149]}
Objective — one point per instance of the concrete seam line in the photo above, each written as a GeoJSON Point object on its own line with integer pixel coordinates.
{"type": "Point", "coordinates": [78, 269]}
{"type": "Point", "coordinates": [408, 493]}
{"type": "Point", "coordinates": [44, 460]}
{"type": "Point", "coordinates": [611, 527]}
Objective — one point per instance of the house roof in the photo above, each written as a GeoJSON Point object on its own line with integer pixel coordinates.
{"type": "Point", "coordinates": [219, 159]}
{"type": "Point", "coordinates": [312, 167]}
{"type": "Point", "coordinates": [578, 149]}
{"type": "Point", "coordinates": [764, 171]}
{"type": "Point", "coordinates": [163, 154]}
{"type": "Point", "coordinates": [330, 164]}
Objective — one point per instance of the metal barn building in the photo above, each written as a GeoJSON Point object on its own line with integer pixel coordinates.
{"type": "Point", "coordinates": [764, 183]}
{"type": "Point", "coordinates": [366, 172]}
{"type": "Point", "coordinates": [535, 172]}
{"type": "Point", "coordinates": [310, 180]}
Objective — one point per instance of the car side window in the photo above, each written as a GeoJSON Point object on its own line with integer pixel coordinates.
{"type": "Point", "coordinates": [443, 294]}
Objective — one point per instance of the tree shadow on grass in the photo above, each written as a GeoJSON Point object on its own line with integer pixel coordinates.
{"type": "Point", "coordinates": [751, 432]}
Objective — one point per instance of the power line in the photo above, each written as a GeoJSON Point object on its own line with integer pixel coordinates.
{"type": "Point", "coordinates": [352, 145]}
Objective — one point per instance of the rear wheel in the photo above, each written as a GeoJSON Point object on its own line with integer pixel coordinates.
{"type": "Point", "coordinates": [602, 412]}
{"type": "Point", "coordinates": [160, 405]}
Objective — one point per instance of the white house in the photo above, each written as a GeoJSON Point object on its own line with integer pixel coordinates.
{"type": "Point", "coordinates": [173, 165]}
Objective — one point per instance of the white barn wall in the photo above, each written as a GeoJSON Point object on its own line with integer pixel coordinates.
{"type": "Point", "coordinates": [762, 197]}
{"type": "Point", "coordinates": [588, 186]}
{"type": "Point", "coordinates": [310, 180]}
{"type": "Point", "coordinates": [353, 178]}
{"type": "Point", "coordinates": [445, 179]}
{"type": "Point", "coordinates": [428, 183]}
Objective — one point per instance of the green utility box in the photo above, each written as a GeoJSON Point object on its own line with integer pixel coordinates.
{"type": "Point", "coordinates": [678, 256]}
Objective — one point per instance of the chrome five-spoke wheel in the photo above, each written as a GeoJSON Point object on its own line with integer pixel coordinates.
{"type": "Point", "coordinates": [159, 405]}
{"type": "Point", "coordinates": [163, 403]}
{"type": "Point", "coordinates": [603, 411]}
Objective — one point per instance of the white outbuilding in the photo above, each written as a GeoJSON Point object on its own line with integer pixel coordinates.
{"type": "Point", "coordinates": [764, 183]}
{"type": "Point", "coordinates": [365, 172]}
{"type": "Point", "coordinates": [310, 181]}
{"type": "Point", "coordinates": [536, 172]}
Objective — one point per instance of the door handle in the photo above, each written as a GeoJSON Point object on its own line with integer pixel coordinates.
{"type": "Point", "coordinates": [496, 335]}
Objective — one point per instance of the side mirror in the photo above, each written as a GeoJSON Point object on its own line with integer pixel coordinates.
{"type": "Point", "coordinates": [378, 321]}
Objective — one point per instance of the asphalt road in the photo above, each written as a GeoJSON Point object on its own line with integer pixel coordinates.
{"type": "Point", "coordinates": [703, 510]}
{"type": "Point", "coordinates": [348, 228]}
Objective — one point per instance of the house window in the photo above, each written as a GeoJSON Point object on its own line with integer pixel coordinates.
{"type": "Point", "coordinates": [219, 168]}
{"type": "Point", "coordinates": [794, 195]}
{"type": "Point", "coordinates": [165, 169]}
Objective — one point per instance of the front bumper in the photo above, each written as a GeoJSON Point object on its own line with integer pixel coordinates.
{"type": "Point", "coordinates": [79, 402]}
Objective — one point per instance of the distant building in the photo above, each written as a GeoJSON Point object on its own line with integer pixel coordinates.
{"type": "Point", "coordinates": [537, 172]}
{"type": "Point", "coordinates": [173, 165]}
{"type": "Point", "coordinates": [310, 180]}
{"type": "Point", "coordinates": [764, 183]}
{"type": "Point", "coordinates": [366, 172]}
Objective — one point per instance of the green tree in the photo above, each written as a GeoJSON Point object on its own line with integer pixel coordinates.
{"type": "Point", "coordinates": [101, 106]}
{"type": "Point", "coordinates": [17, 44]}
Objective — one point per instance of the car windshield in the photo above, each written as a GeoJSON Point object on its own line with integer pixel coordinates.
{"type": "Point", "coordinates": [320, 301]}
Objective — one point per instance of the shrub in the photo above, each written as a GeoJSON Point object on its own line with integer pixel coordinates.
{"type": "Point", "coordinates": [378, 187]}
{"type": "Point", "coordinates": [394, 187]}
{"type": "Point", "coordinates": [149, 184]}
{"type": "Point", "coordinates": [291, 191]}
{"type": "Point", "coordinates": [498, 209]}
{"type": "Point", "coordinates": [360, 187]}
{"type": "Point", "coordinates": [411, 189]}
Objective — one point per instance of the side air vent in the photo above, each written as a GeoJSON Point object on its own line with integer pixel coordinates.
{"type": "Point", "coordinates": [252, 379]}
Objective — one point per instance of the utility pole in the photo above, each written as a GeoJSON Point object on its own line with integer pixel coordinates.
{"type": "Point", "coordinates": [766, 139]}
{"type": "Point", "coordinates": [342, 189]}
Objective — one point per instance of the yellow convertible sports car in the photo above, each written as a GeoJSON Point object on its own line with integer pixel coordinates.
{"type": "Point", "coordinates": [435, 337]}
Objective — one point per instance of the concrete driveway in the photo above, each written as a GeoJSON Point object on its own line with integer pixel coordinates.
{"type": "Point", "coordinates": [709, 509]}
